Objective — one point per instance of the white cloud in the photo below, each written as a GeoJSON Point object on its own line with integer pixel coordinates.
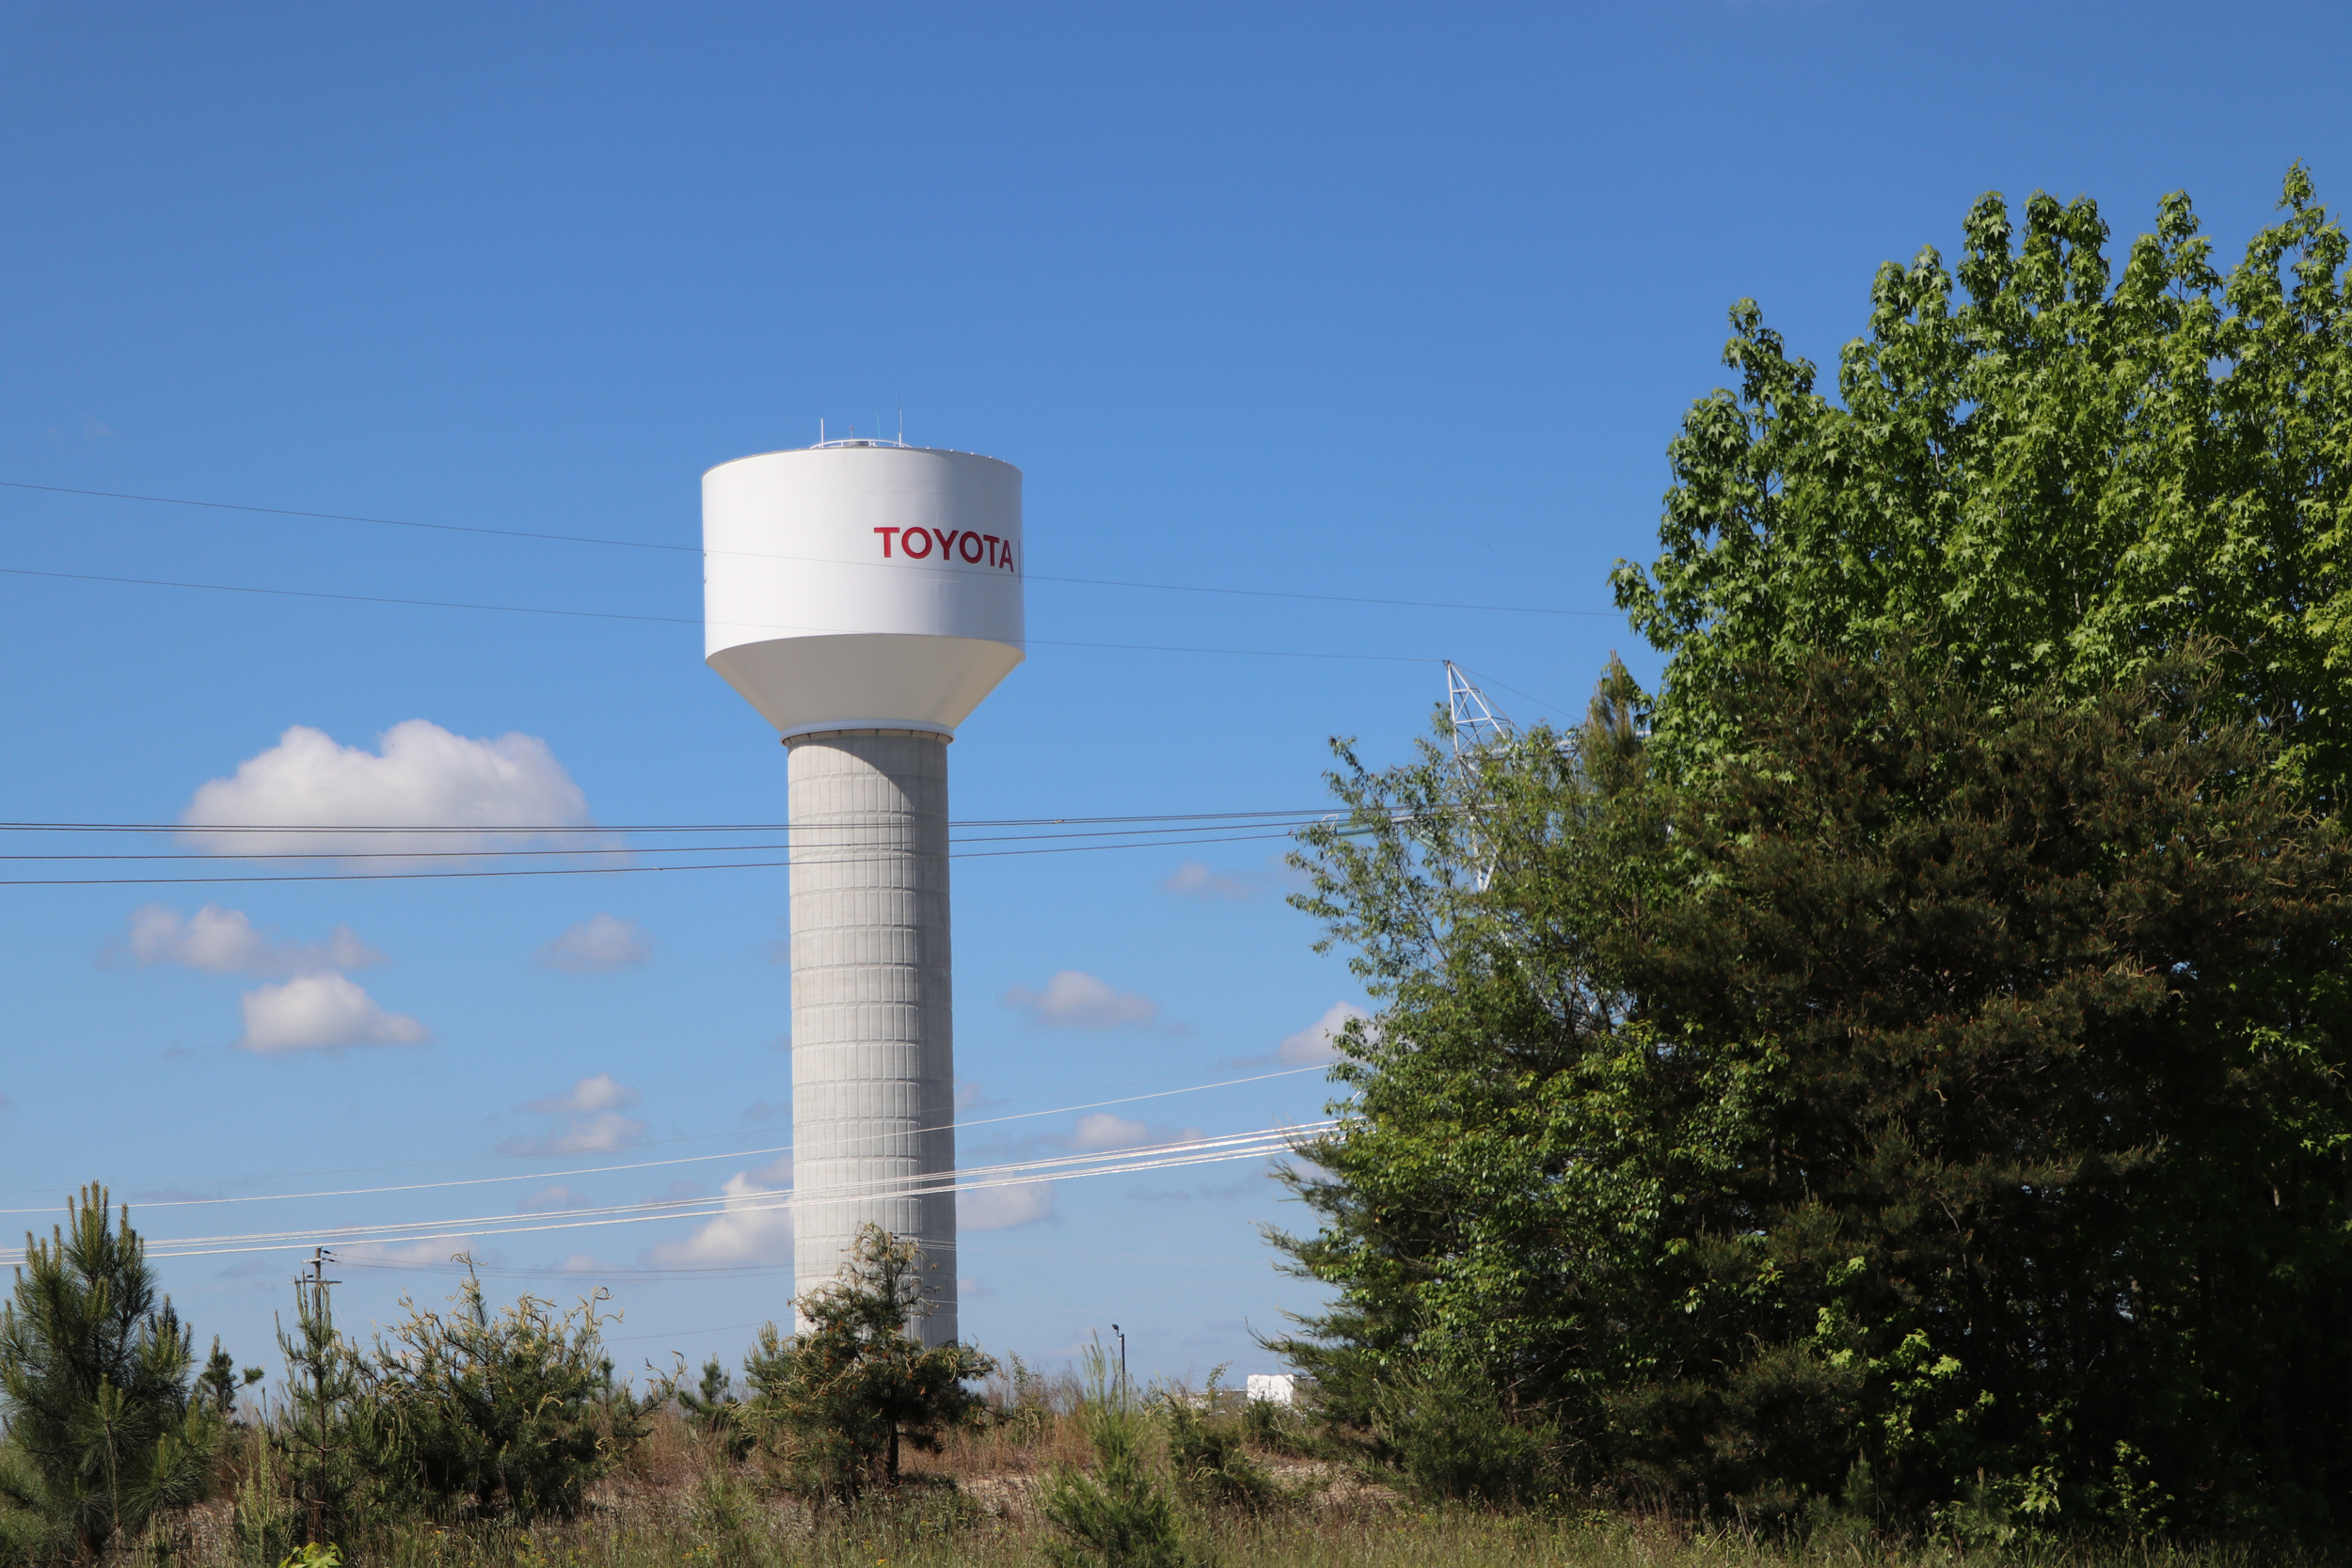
{"type": "Point", "coordinates": [756, 1228]}
{"type": "Point", "coordinates": [1103, 1131]}
{"type": "Point", "coordinates": [225, 941]}
{"type": "Point", "coordinates": [420, 775]}
{"type": "Point", "coordinates": [1003, 1208]}
{"type": "Point", "coordinates": [1312, 1044]}
{"type": "Point", "coordinates": [597, 945]}
{"type": "Point", "coordinates": [590, 1095]}
{"type": "Point", "coordinates": [446, 1249]}
{"type": "Point", "coordinates": [1075, 1000]}
{"type": "Point", "coordinates": [1193, 880]}
{"type": "Point", "coordinates": [593, 1123]}
{"type": "Point", "coordinates": [606, 1132]}
{"type": "Point", "coordinates": [321, 1012]}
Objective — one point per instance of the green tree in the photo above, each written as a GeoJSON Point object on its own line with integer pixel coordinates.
{"type": "Point", "coordinates": [510, 1415]}
{"type": "Point", "coordinates": [1120, 1516]}
{"type": "Point", "coordinates": [329, 1456]}
{"type": "Point", "coordinates": [220, 1382]}
{"type": "Point", "coordinates": [101, 1432]}
{"type": "Point", "coordinates": [2057, 478]}
{"type": "Point", "coordinates": [1934, 1086]}
{"type": "Point", "coordinates": [835, 1402]}
{"type": "Point", "coordinates": [714, 1410]}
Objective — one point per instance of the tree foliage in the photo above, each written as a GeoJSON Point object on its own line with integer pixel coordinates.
{"type": "Point", "coordinates": [2061, 480]}
{"type": "Point", "coordinates": [1936, 1088]}
{"type": "Point", "coordinates": [328, 1464]}
{"type": "Point", "coordinates": [1121, 1515]}
{"type": "Point", "coordinates": [511, 1415]}
{"type": "Point", "coordinates": [102, 1430]}
{"type": "Point", "coordinates": [835, 1403]}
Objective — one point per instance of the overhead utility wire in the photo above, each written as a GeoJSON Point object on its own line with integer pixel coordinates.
{"type": "Point", "coordinates": [696, 549]}
{"type": "Point", "coordinates": [695, 1159]}
{"type": "Point", "coordinates": [707, 1137]}
{"type": "Point", "coordinates": [594, 870]}
{"type": "Point", "coordinates": [1179, 1157]}
{"type": "Point", "coordinates": [1237, 832]}
{"type": "Point", "coordinates": [677, 620]}
{"type": "Point", "coordinates": [841, 1192]}
{"type": "Point", "coordinates": [654, 1273]}
{"type": "Point", "coordinates": [616, 827]}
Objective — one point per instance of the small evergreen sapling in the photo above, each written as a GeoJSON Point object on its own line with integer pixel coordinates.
{"type": "Point", "coordinates": [102, 1433]}
{"type": "Point", "coordinates": [1120, 1516]}
{"type": "Point", "coordinates": [836, 1404]}
{"type": "Point", "coordinates": [220, 1383]}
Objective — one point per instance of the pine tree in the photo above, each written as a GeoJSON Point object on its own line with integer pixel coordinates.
{"type": "Point", "coordinates": [1120, 1516]}
{"type": "Point", "coordinates": [326, 1437]}
{"type": "Point", "coordinates": [838, 1402]}
{"type": "Point", "coordinates": [220, 1382]}
{"type": "Point", "coordinates": [94, 1386]}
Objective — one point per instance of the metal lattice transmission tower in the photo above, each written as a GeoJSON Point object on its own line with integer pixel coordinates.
{"type": "Point", "coordinates": [1479, 727]}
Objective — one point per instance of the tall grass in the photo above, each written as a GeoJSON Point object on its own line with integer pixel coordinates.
{"type": "Point", "coordinates": [675, 1502]}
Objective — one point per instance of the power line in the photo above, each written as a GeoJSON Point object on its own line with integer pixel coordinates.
{"type": "Point", "coordinates": [694, 549]}
{"type": "Point", "coordinates": [705, 1137]}
{"type": "Point", "coordinates": [693, 1159]}
{"type": "Point", "coordinates": [616, 827]}
{"type": "Point", "coordinates": [1009, 1172]}
{"type": "Point", "coordinates": [1022, 1173]}
{"type": "Point", "coordinates": [820, 852]}
{"type": "Point", "coordinates": [675, 620]}
{"type": "Point", "coordinates": [598, 870]}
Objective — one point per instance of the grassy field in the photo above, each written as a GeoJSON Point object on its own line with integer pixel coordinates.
{"type": "Point", "coordinates": [937, 1531]}
{"type": "Point", "coordinates": [972, 1506]}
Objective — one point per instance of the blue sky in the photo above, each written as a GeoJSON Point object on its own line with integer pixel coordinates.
{"type": "Point", "coordinates": [1390, 302]}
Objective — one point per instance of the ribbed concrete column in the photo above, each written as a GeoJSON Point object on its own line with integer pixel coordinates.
{"type": "Point", "coordinates": [873, 1030]}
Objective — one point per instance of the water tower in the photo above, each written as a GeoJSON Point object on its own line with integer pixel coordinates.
{"type": "Point", "coordinates": [863, 596]}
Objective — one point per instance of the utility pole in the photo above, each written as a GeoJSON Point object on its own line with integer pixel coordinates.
{"type": "Point", "coordinates": [318, 1283]}
{"type": "Point", "coordinates": [1123, 1357]}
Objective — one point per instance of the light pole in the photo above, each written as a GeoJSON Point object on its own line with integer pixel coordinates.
{"type": "Point", "coordinates": [1122, 1357]}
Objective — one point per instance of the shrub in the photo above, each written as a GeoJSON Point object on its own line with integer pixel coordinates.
{"type": "Point", "coordinates": [1455, 1442]}
{"type": "Point", "coordinates": [1208, 1451]}
{"type": "Point", "coordinates": [514, 1414]}
{"type": "Point", "coordinates": [1120, 1516]}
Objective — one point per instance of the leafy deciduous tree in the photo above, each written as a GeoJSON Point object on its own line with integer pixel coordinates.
{"type": "Point", "coordinates": [2057, 478]}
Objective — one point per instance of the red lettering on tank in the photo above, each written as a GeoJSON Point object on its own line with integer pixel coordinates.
{"type": "Point", "coordinates": [991, 547]}
{"type": "Point", "coordinates": [1007, 562]}
{"type": "Point", "coordinates": [907, 542]}
{"type": "Point", "coordinates": [969, 547]}
{"type": "Point", "coordinates": [946, 537]}
{"type": "Point", "coordinates": [886, 533]}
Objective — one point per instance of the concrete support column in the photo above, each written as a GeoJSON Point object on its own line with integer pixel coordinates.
{"type": "Point", "coordinates": [873, 1029]}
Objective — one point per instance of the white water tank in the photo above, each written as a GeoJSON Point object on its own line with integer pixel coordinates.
{"type": "Point", "coordinates": [861, 585]}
